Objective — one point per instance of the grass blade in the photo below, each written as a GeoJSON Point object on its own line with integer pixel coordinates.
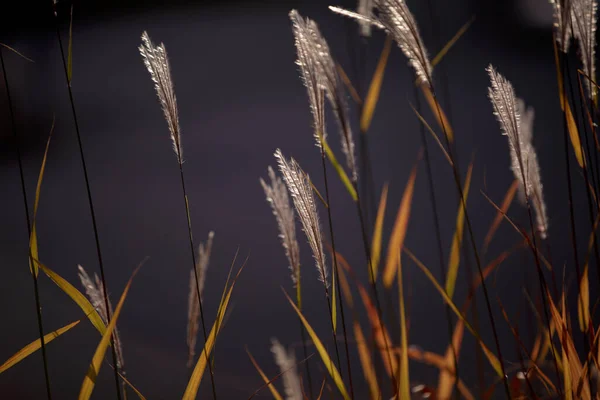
{"type": "Point", "coordinates": [454, 260]}
{"type": "Point", "coordinates": [327, 362]}
{"type": "Point", "coordinates": [378, 232]}
{"type": "Point", "coordinates": [137, 392]}
{"type": "Point", "coordinates": [366, 362]}
{"type": "Point", "coordinates": [437, 111]}
{"type": "Point", "coordinates": [440, 55]}
{"type": "Point", "coordinates": [333, 304]}
{"type": "Point", "coordinates": [404, 372]}
{"type": "Point", "coordinates": [76, 296]}
{"type": "Point", "coordinates": [340, 171]}
{"type": "Point", "coordinates": [508, 198]}
{"type": "Point", "coordinates": [34, 346]}
{"type": "Point", "coordinates": [87, 387]}
{"type": "Point", "coordinates": [265, 378]}
{"type": "Point", "coordinates": [375, 87]}
{"type": "Point", "coordinates": [399, 232]}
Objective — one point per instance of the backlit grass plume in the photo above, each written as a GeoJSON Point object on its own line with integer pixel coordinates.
{"type": "Point", "coordinates": [397, 20]}
{"type": "Point", "coordinates": [298, 185]}
{"type": "Point", "coordinates": [95, 293]}
{"type": "Point", "coordinates": [516, 122]}
{"type": "Point", "coordinates": [316, 63]}
{"type": "Point", "coordinates": [286, 361]}
{"type": "Point", "coordinates": [277, 197]}
{"type": "Point", "coordinates": [583, 14]}
{"type": "Point", "coordinates": [562, 13]}
{"type": "Point", "coordinates": [156, 61]}
{"type": "Point", "coordinates": [202, 262]}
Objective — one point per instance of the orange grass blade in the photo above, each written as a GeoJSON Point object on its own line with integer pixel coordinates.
{"type": "Point", "coordinates": [437, 111]}
{"type": "Point", "coordinates": [399, 232]}
{"type": "Point", "coordinates": [377, 234]}
{"type": "Point", "coordinates": [34, 346]}
{"type": "Point", "coordinates": [583, 299]}
{"type": "Point", "coordinates": [454, 260]}
{"type": "Point", "coordinates": [404, 372]}
{"type": "Point", "coordinates": [508, 198]}
{"type": "Point", "coordinates": [433, 134]}
{"type": "Point", "coordinates": [366, 362]}
{"type": "Point", "coordinates": [439, 56]}
{"type": "Point", "coordinates": [77, 297]}
{"type": "Point", "coordinates": [375, 87]}
{"type": "Point", "coordinates": [33, 241]}
{"type": "Point", "coordinates": [327, 362]}
{"type": "Point", "coordinates": [333, 303]}
{"type": "Point", "coordinates": [264, 377]}
{"type": "Point", "coordinates": [348, 83]}
{"type": "Point", "coordinates": [89, 381]}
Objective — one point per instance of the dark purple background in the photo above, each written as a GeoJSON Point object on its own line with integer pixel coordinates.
{"type": "Point", "coordinates": [240, 98]}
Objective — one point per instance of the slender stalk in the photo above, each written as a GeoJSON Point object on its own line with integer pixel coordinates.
{"type": "Point", "coordinates": [191, 239]}
{"type": "Point", "coordinates": [89, 193]}
{"type": "Point", "coordinates": [38, 305]}
{"type": "Point", "coordinates": [335, 271]}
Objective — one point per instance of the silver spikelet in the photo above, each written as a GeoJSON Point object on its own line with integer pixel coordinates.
{"type": "Point", "coordinates": [193, 324]}
{"type": "Point", "coordinates": [319, 62]}
{"type": "Point", "coordinates": [562, 11]}
{"type": "Point", "coordinates": [516, 123]}
{"type": "Point", "coordinates": [583, 13]}
{"type": "Point", "coordinates": [95, 293]}
{"type": "Point", "coordinates": [397, 20]}
{"type": "Point", "coordinates": [298, 185]}
{"type": "Point", "coordinates": [277, 196]}
{"type": "Point", "coordinates": [286, 361]}
{"type": "Point", "coordinates": [156, 61]}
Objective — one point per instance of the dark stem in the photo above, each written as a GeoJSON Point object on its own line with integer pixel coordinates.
{"type": "Point", "coordinates": [191, 239]}
{"type": "Point", "coordinates": [89, 197]}
{"type": "Point", "coordinates": [38, 305]}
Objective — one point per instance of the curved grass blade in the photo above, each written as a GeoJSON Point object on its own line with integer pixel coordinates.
{"type": "Point", "coordinates": [340, 171]}
{"type": "Point", "coordinates": [327, 362]}
{"type": "Point", "coordinates": [87, 387]}
{"type": "Point", "coordinates": [508, 198]}
{"type": "Point", "coordinates": [375, 87]}
{"type": "Point", "coordinates": [454, 260]}
{"type": "Point", "coordinates": [265, 378]}
{"type": "Point", "coordinates": [76, 296]}
{"type": "Point", "coordinates": [493, 360]}
{"type": "Point", "coordinates": [33, 242]}
{"type": "Point", "coordinates": [193, 385]}
{"type": "Point", "coordinates": [377, 233]}
{"type": "Point", "coordinates": [399, 231]}
{"type": "Point", "coordinates": [34, 346]}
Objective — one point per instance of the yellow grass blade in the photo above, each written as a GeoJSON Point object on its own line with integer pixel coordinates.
{"type": "Point", "coordinates": [34, 346]}
{"type": "Point", "coordinates": [265, 378]}
{"type": "Point", "coordinates": [404, 372]}
{"type": "Point", "coordinates": [33, 242]}
{"type": "Point", "coordinates": [454, 260]}
{"type": "Point", "coordinates": [89, 381]}
{"type": "Point", "coordinates": [377, 234]}
{"type": "Point", "coordinates": [77, 297]}
{"type": "Point", "coordinates": [399, 231]}
{"type": "Point", "coordinates": [340, 170]}
{"type": "Point", "coordinates": [437, 111]}
{"type": "Point", "coordinates": [193, 385]}
{"type": "Point", "coordinates": [366, 362]}
{"type": "Point", "coordinates": [493, 360]}
{"type": "Point", "coordinates": [438, 57]}
{"type": "Point", "coordinates": [375, 87]}
{"type": "Point", "coordinates": [327, 362]}
{"type": "Point", "coordinates": [508, 198]}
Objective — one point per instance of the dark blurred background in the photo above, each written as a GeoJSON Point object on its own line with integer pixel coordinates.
{"type": "Point", "coordinates": [240, 98]}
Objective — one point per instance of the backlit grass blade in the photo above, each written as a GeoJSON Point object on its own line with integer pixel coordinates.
{"type": "Point", "coordinates": [454, 260]}
{"type": "Point", "coordinates": [333, 303]}
{"type": "Point", "coordinates": [137, 392]}
{"type": "Point", "coordinates": [583, 301]}
{"type": "Point", "coordinates": [375, 87]}
{"type": "Point", "coordinates": [89, 381]}
{"type": "Point", "coordinates": [440, 55]}
{"type": "Point", "coordinates": [264, 377]}
{"type": "Point", "coordinates": [399, 231]}
{"type": "Point", "coordinates": [377, 234]}
{"type": "Point", "coordinates": [493, 360]}
{"type": "Point", "coordinates": [33, 242]}
{"type": "Point", "coordinates": [437, 111]}
{"type": "Point", "coordinates": [34, 346]}
{"type": "Point", "coordinates": [327, 362]}
{"type": "Point", "coordinates": [366, 362]}
{"type": "Point", "coordinates": [433, 134]}
{"type": "Point", "coordinates": [193, 385]}
{"type": "Point", "coordinates": [340, 171]}
{"type": "Point", "coordinates": [508, 198]}
{"type": "Point", "coordinates": [77, 297]}
{"type": "Point", "coordinates": [404, 372]}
